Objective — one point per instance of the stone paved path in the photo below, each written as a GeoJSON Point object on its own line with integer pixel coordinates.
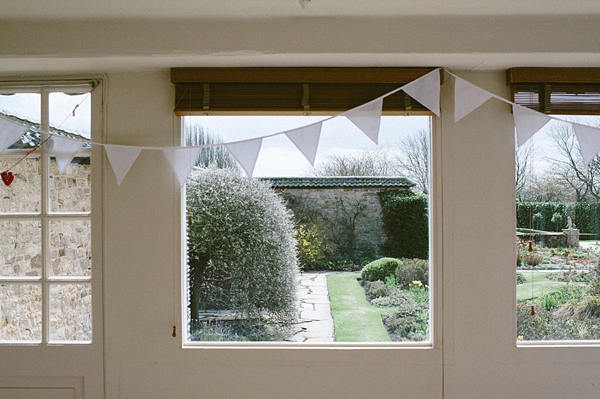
{"type": "Point", "coordinates": [316, 323]}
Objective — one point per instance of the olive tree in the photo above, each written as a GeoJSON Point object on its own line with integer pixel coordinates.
{"type": "Point", "coordinates": [241, 249]}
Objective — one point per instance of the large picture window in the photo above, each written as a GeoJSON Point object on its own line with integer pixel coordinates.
{"type": "Point", "coordinates": [337, 252]}
{"type": "Point", "coordinates": [45, 219]}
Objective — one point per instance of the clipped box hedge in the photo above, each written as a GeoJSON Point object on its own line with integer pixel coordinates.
{"type": "Point", "coordinates": [406, 224]}
{"type": "Point", "coordinates": [540, 215]}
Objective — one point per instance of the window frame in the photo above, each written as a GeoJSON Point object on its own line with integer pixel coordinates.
{"type": "Point", "coordinates": [46, 215]}
{"type": "Point", "coordinates": [435, 256]}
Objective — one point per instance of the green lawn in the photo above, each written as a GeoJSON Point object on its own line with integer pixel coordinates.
{"type": "Point", "coordinates": [540, 284]}
{"type": "Point", "coordinates": [354, 319]}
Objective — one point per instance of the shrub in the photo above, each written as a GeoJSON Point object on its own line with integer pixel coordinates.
{"type": "Point", "coordinates": [311, 246]}
{"type": "Point", "coordinates": [409, 322]}
{"type": "Point", "coordinates": [376, 289]}
{"type": "Point", "coordinates": [588, 308]}
{"type": "Point", "coordinates": [340, 265]}
{"type": "Point", "coordinates": [546, 326]}
{"type": "Point", "coordinates": [594, 279]}
{"type": "Point", "coordinates": [241, 246]}
{"type": "Point", "coordinates": [558, 220]}
{"type": "Point", "coordinates": [521, 279]}
{"type": "Point", "coordinates": [569, 277]}
{"type": "Point", "coordinates": [396, 297]}
{"type": "Point", "coordinates": [214, 331]}
{"type": "Point", "coordinates": [409, 270]}
{"type": "Point", "coordinates": [379, 269]}
{"type": "Point", "coordinates": [405, 222]}
{"type": "Point", "coordinates": [533, 259]}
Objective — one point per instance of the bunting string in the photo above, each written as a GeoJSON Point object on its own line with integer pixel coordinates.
{"type": "Point", "coordinates": [366, 117]}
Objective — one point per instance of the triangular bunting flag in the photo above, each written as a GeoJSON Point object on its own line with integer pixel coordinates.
{"type": "Point", "coordinates": [527, 123]}
{"type": "Point", "coordinates": [64, 151]}
{"type": "Point", "coordinates": [121, 158]}
{"type": "Point", "coordinates": [367, 118]}
{"type": "Point", "coordinates": [182, 160]}
{"type": "Point", "coordinates": [589, 141]}
{"type": "Point", "coordinates": [426, 90]}
{"type": "Point", "coordinates": [307, 140]}
{"type": "Point", "coordinates": [246, 153]}
{"type": "Point", "coordinates": [9, 133]}
{"type": "Point", "coordinates": [467, 98]}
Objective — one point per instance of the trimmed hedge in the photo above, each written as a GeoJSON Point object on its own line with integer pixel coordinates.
{"type": "Point", "coordinates": [406, 224]}
{"type": "Point", "coordinates": [540, 215]}
{"type": "Point", "coordinates": [552, 216]}
{"type": "Point", "coordinates": [380, 269]}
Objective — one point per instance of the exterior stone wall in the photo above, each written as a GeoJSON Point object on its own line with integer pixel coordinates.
{"type": "Point", "coordinates": [21, 251]}
{"type": "Point", "coordinates": [347, 214]}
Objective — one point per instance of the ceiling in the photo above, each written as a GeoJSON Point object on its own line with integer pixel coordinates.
{"type": "Point", "coordinates": [235, 9]}
{"type": "Point", "coordinates": [70, 36]}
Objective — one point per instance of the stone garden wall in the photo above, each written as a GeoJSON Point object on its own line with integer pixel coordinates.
{"type": "Point", "coordinates": [352, 217]}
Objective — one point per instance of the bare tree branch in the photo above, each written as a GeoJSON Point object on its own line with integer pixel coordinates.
{"type": "Point", "coordinates": [218, 157]}
{"type": "Point", "coordinates": [413, 160]}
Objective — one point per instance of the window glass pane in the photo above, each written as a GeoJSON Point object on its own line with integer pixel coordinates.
{"type": "Point", "coordinates": [21, 248]}
{"type": "Point", "coordinates": [71, 191]}
{"type": "Point", "coordinates": [558, 231]}
{"type": "Point", "coordinates": [355, 227]}
{"type": "Point", "coordinates": [25, 106]}
{"type": "Point", "coordinates": [71, 113]}
{"type": "Point", "coordinates": [70, 248]}
{"type": "Point", "coordinates": [23, 195]}
{"type": "Point", "coordinates": [20, 312]}
{"type": "Point", "coordinates": [70, 312]}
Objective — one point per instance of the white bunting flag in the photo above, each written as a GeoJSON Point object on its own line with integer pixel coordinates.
{"type": "Point", "coordinates": [246, 153]}
{"type": "Point", "coordinates": [426, 90]}
{"type": "Point", "coordinates": [367, 118]}
{"type": "Point", "coordinates": [307, 140]}
{"type": "Point", "coordinates": [10, 133]}
{"type": "Point", "coordinates": [121, 159]}
{"type": "Point", "coordinates": [182, 160]}
{"type": "Point", "coordinates": [467, 98]}
{"type": "Point", "coordinates": [589, 141]}
{"type": "Point", "coordinates": [64, 151]}
{"type": "Point", "coordinates": [527, 123]}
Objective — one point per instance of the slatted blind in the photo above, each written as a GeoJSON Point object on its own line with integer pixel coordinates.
{"type": "Point", "coordinates": [566, 91]}
{"type": "Point", "coordinates": [291, 90]}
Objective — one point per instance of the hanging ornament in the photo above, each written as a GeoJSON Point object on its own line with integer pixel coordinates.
{"type": "Point", "coordinates": [7, 177]}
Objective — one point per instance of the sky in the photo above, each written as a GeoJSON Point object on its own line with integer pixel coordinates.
{"type": "Point", "coordinates": [27, 106]}
{"type": "Point", "coordinates": [280, 158]}
{"type": "Point", "coordinates": [544, 147]}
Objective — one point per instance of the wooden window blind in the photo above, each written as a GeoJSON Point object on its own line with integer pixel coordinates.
{"type": "Point", "coordinates": [291, 90]}
{"type": "Point", "coordinates": [567, 91]}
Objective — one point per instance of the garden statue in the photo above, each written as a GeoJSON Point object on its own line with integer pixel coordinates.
{"type": "Point", "coordinates": [569, 223]}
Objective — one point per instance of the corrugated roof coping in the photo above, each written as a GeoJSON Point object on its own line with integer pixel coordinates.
{"type": "Point", "coordinates": [342, 181]}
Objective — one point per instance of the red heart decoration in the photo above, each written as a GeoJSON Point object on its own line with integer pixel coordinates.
{"type": "Point", "coordinates": [7, 177]}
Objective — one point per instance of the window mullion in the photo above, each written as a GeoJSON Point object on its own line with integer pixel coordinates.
{"type": "Point", "coordinates": [45, 127]}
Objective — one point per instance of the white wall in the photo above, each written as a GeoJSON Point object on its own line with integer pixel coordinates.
{"type": "Point", "coordinates": [476, 242]}
{"type": "Point", "coordinates": [143, 360]}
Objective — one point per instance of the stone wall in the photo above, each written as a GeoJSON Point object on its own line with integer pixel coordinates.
{"type": "Point", "coordinates": [21, 251]}
{"type": "Point", "coordinates": [352, 217]}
